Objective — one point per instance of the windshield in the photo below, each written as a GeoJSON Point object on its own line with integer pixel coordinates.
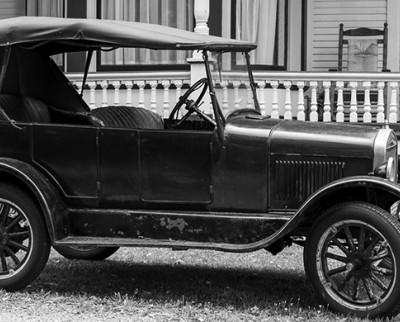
{"type": "Point", "coordinates": [230, 72]}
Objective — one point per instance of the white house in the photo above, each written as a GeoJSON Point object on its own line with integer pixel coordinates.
{"type": "Point", "coordinates": [297, 46]}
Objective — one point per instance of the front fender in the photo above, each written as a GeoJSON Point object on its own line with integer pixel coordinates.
{"type": "Point", "coordinates": [43, 192]}
{"type": "Point", "coordinates": [307, 209]}
{"type": "Point", "coordinates": [349, 184]}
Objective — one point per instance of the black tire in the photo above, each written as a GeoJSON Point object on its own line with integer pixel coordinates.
{"type": "Point", "coordinates": [352, 259]}
{"type": "Point", "coordinates": [87, 253]}
{"type": "Point", "coordinates": [128, 117]}
{"type": "Point", "coordinates": [24, 241]}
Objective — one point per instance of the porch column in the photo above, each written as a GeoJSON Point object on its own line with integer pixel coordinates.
{"type": "Point", "coordinates": [197, 70]}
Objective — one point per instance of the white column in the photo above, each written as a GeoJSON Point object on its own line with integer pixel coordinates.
{"type": "Point", "coordinates": [166, 84]}
{"type": "Point", "coordinates": [380, 116]}
{"type": "Point", "coordinates": [153, 96]}
{"type": "Point", "coordinates": [288, 102]}
{"type": "Point", "coordinates": [275, 103]}
{"type": "Point", "coordinates": [393, 102]}
{"type": "Point", "coordinates": [367, 117]}
{"type": "Point", "coordinates": [201, 14]}
{"type": "Point", "coordinates": [340, 105]}
{"type": "Point", "coordinates": [116, 85]}
{"type": "Point", "coordinates": [327, 101]}
{"type": "Point", "coordinates": [104, 98]}
{"type": "Point", "coordinates": [314, 103]}
{"type": "Point", "coordinates": [92, 97]}
{"type": "Point", "coordinates": [197, 70]}
{"type": "Point", "coordinates": [141, 85]}
{"type": "Point", "coordinates": [301, 116]}
{"type": "Point", "coordinates": [261, 96]}
{"type": "Point", "coordinates": [129, 85]}
{"type": "Point", "coordinates": [353, 102]}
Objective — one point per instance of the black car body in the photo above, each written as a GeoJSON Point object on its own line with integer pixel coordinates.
{"type": "Point", "coordinates": [87, 182]}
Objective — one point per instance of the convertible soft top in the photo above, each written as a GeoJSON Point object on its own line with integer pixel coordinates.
{"type": "Point", "coordinates": [57, 35]}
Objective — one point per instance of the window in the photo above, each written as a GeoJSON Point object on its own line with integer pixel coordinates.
{"type": "Point", "coordinates": [262, 22]}
{"type": "Point", "coordinates": [48, 8]}
{"type": "Point", "coordinates": [173, 13]}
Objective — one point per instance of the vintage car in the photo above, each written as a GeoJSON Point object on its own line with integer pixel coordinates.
{"type": "Point", "coordinates": [89, 181]}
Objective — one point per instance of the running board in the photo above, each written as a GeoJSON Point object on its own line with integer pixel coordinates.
{"type": "Point", "coordinates": [174, 245]}
{"type": "Point", "coordinates": [155, 228]}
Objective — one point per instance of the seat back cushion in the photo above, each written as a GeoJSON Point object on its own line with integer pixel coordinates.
{"type": "Point", "coordinates": [128, 117]}
{"type": "Point", "coordinates": [24, 109]}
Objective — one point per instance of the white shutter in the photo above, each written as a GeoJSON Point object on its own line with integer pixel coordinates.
{"type": "Point", "coordinates": [324, 17]}
{"type": "Point", "coordinates": [12, 8]}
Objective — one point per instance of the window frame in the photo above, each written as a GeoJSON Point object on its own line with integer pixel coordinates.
{"type": "Point", "coordinates": [261, 67]}
{"type": "Point", "coordinates": [133, 67]}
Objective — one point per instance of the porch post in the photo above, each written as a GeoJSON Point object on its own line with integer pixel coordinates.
{"type": "Point", "coordinates": [197, 70]}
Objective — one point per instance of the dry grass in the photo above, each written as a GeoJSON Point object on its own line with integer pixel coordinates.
{"type": "Point", "coordinates": [162, 285]}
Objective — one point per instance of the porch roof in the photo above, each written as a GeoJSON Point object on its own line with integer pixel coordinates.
{"type": "Point", "coordinates": [57, 35]}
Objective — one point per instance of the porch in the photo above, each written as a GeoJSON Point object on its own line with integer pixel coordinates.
{"type": "Point", "coordinates": [309, 96]}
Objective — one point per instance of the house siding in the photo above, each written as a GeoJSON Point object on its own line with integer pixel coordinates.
{"type": "Point", "coordinates": [324, 17]}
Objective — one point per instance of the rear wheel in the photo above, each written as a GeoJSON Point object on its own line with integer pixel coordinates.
{"type": "Point", "coordinates": [86, 252]}
{"type": "Point", "coordinates": [24, 242]}
{"type": "Point", "coordinates": [352, 259]}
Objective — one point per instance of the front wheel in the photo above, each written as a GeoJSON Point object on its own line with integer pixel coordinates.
{"type": "Point", "coordinates": [352, 258]}
{"type": "Point", "coordinates": [86, 252]}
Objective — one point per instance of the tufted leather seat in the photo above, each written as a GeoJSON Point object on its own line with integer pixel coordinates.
{"type": "Point", "coordinates": [128, 117]}
{"type": "Point", "coordinates": [25, 109]}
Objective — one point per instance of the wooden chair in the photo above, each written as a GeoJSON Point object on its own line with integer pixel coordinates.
{"type": "Point", "coordinates": [362, 44]}
{"type": "Point", "coordinates": [366, 51]}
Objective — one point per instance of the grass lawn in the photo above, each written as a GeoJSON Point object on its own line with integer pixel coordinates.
{"type": "Point", "coordinates": [146, 284]}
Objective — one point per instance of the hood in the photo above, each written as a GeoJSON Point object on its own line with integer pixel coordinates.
{"type": "Point", "coordinates": [289, 137]}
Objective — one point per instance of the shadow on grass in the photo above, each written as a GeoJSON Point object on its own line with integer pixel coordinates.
{"type": "Point", "coordinates": [237, 287]}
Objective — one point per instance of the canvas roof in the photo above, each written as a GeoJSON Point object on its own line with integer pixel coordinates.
{"type": "Point", "coordinates": [56, 35]}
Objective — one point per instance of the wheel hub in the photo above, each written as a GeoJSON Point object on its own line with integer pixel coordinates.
{"type": "Point", "coordinates": [359, 266]}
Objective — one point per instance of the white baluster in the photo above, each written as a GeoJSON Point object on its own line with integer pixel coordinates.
{"type": "Point", "coordinates": [225, 97]}
{"type": "Point", "coordinates": [141, 85]}
{"type": "Point", "coordinates": [380, 116]}
{"type": "Point", "coordinates": [116, 85]}
{"type": "Point", "coordinates": [314, 103]}
{"type": "Point", "coordinates": [393, 102]}
{"type": "Point", "coordinates": [288, 101]}
{"type": "Point", "coordinates": [327, 101]}
{"type": "Point", "coordinates": [301, 115]}
{"type": "Point", "coordinates": [104, 99]}
{"type": "Point", "coordinates": [128, 85]}
{"type": "Point", "coordinates": [353, 102]}
{"type": "Point", "coordinates": [249, 103]}
{"type": "Point", "coordinates": [166, 84]}
{"type": "Point", "coordinates": [153, 96]}
{"type": "Point", "coordinates": [92, 96]}
{"type": "Point", "coordinates": [78, 87]}
{"type": "Point", "coordinates": [261, 97]}
{"type": "Point", "coordinates": [340, 105]}
{"type": "Point", "coordinates": [367, 117]}
{"type": "Point", "coordinates": [236, 95]}
{"type": "Point", "coordinates": [178, 85]}
{"type": "Point", "coordinates": [275, 103]}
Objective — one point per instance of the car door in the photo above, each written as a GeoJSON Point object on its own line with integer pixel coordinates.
{"type": "Point", "coordinates": [175, 167]}
{"type": "Point", "coordinates": [68, 154]}
{"type": "Point", "coordinates": [155, 168]}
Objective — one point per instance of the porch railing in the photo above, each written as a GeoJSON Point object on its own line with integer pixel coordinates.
{"type": "Point", "coordinates": [312, 96]}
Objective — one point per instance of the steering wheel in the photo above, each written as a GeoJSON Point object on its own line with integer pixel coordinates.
{"type": "Point", "coordinates": [190, 104]}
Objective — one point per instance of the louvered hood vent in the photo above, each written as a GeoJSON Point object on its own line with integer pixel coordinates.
{"type": "Point", "coordinates": [297, 180]}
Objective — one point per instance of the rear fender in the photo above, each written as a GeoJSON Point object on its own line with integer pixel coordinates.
{"type": "Point", "coordinates": [42, 192]}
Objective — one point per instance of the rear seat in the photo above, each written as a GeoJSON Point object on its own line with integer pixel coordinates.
{"type": "Point", "coordinates": [25, 109]}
